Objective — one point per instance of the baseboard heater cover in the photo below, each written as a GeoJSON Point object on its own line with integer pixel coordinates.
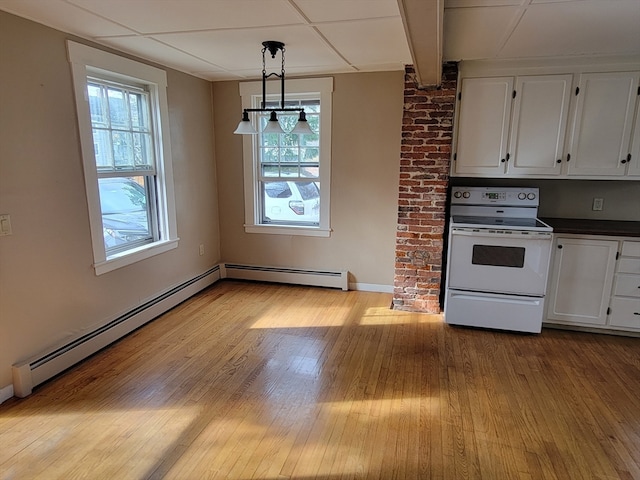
{"type": "Point", "coordinates": [318, 278]}
{"type": "Point", "coordinates": [36, 370]}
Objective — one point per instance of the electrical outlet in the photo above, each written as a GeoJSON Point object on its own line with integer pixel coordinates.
{"type": "Point", "coordinates": [201, 249]}
{"type": "Point", "coordinates": [597, 204]}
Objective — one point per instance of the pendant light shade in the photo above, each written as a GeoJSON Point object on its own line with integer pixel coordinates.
{"type": "Point", "coordinates": [273, 126]}
{"type": "Point", "coordinates": [245, 127]}
{"type": "Point", "coordinates": [302, 127]}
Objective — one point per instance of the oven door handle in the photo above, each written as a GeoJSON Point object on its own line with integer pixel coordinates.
{"type": "Point", "coordinates": [514, 234]}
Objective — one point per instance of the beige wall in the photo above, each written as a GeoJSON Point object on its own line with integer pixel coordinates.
{"type": "Point", "coordinates": [367, 119]}
{"type": "Point", "coordinates": [48, 288]}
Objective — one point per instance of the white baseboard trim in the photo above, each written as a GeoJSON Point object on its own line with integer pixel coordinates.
{"type": "Point", "coordinates": [43, 366]}
{"type": "Point", "coordinates": [371, 287]}
{"type": "Point", "coordinates": [6, 393]}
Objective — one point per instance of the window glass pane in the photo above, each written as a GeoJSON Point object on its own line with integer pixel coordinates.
{"type": "Point", "coordinates": [102, 149]}
{"type": "Point", "coordinates": [142, 150]}
{"type": "Point", "coordinates": [270, 171]}
{"type": "Point", "coordinates": [310, 172]}
{"type": "Point", "coordinates": [126, 220]}
{"type": "Point", "coordinates": [139, 112]}
{"type": "Point", "coordinates": [122, 149]}
{"type": "Point", "coordinates": [291, 203]}
{"type": "Point", "coordinates": [97, 105]}
{"type": "Point", "coordinates": [118, 109]}
{"type": "Point", "coordinates": [290, 171]}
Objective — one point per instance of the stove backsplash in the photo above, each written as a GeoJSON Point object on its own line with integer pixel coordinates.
{"type": "Point", "coordinates": [574, 198]}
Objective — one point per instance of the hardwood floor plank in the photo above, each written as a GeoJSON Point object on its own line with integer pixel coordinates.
{"type": "Point", "coordinates": [250, 380]}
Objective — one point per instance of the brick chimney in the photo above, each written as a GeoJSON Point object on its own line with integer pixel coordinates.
{"type": "Point", "coordinates": [427, 131]}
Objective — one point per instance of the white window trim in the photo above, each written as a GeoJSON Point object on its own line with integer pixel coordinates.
{"type": "Point", "coordinates": [85, 61]}
{"type": "Point", "coordinates": [252, 90]}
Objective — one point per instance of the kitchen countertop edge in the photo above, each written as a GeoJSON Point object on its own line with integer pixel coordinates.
{"type": "Point", "coordinates": [582, 226]}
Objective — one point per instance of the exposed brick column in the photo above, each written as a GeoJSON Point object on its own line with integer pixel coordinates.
{"type": "Point", "coordinates": [427, 129]}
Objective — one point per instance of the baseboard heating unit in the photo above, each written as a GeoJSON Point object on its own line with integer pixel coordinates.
{"type": "Point", "coordinates": [35, 371]}
{"type": "Point", "coordinates": [318, 278]}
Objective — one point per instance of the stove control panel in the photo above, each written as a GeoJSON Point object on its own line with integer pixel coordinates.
{"type": "Point", "coordinates": [507, 196]}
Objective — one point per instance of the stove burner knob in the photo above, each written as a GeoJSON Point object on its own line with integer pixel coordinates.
{"type": "Point", "coordinates": [522, 196]}
{"type": "Point", "coordinates": [466, 194]}
{"type": "Point", "coordinates": [457, 194]}
{"type": "Point", "coordinates": [531, 196]}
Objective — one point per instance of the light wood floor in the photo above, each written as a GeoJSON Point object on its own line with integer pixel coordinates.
{"type": "Point", "coordinates": [249, 380]}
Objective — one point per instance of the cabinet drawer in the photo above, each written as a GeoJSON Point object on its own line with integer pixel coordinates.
{"type": "Point", "coordinates": [630, 249]}
{"type": "Point", "coordinates": [625, 312]}
{"type": "Point", "coordinates": [629, 265]}
{"type": "Point", "coordinates": [627, 286]}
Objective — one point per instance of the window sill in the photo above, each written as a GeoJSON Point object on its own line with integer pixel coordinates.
{"type": "Point", "coordinates": [288, 230]}
{"type": "Point", "coordinates": [135, 255]}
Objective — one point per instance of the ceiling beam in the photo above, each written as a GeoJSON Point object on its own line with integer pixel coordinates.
{"type": "Point", "coordinates": [423, 25]}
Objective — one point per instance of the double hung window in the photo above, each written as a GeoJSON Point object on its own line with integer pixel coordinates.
{"type": "Point", "coordinates": [287, 176]}
{"type": "Point", "coordinates": [123, 121]}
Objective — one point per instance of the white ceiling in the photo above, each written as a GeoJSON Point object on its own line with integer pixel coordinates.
{"type": "Point", "coordinates": [221, 39]}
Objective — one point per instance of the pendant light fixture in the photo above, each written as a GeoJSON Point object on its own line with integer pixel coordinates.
{"type": "Point", "coordinates": [245, 126]}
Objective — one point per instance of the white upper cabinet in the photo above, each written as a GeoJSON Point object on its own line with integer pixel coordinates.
{"type": "Point", "coordinates": [538, 124]}
{"type": "Point", "coordinates": [483, 125]}
{"type": "Point", "coordinates": [547, 122]}
{"type": "Point", "coordinates": [512, 125]}
{"type": "Point", "coordinates": [601, 136]}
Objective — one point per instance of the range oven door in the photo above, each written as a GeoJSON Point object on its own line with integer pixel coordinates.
{"type": "Point", "coordinates": [489, 261]}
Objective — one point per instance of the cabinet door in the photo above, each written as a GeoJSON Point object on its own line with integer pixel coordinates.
{"type": "Point", "coordinates": [603, 119]}
{"type": "Point", "coordinates": [634, 164]}
{"type": "Point", "coordinates": [625, 312]}
{"type": "Point", "coordinates": [539, 124]}
{"type": "Point", "coordinates": [581, 280]}
{"type": "Point", "coordinates": [484, 109]}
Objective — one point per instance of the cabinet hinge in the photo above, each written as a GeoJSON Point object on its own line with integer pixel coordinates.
{"type": "Point", "coordinates": [455, 157]}
{"type": "Point", "coordinates": [568, 157]}
{"type": "Point", "coordinates": [639, 90]}
{"type": "Point", "coordinates": [459, 96]}
{"type": "Point", "coordinates": [608, 310]}
{"type": "Point", "coordinates": [513, 95]}
{"type": "Point", "coordinates": [577, 90]}
{"type": "Point", "coordinates": [617, 255]}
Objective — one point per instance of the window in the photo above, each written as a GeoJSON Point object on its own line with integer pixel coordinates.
{"type": "Point", "coordinates": [287, 176]}
{"type": "Point", "coordinates": [122, 120]}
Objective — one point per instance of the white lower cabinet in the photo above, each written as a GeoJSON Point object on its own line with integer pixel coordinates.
{"type": "Point", "coordinates": [595, 282]}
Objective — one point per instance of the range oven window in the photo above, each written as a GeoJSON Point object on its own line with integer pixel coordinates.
{"type": "Point", "coordinates": [498, 256]}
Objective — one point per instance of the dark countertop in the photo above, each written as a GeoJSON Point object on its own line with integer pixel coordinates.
{"type": "Point", "coordinates": [579, 226]}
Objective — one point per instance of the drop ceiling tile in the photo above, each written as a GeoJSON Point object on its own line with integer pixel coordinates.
{"type": "Point", "coordinates": [339, 10]}
{"type": "Point", "coordinates": [594, 30]}
{"type": "Point", "coordinates": [369, 42]}
{"type": "Point", "coordinates": [62, 16]}
{"type": "Point", "coordinates": [153, 16]}
{"type": "Point", "coordinates": [233, 49]}
{"type": "Point", "coordinates": [476, 33]}
{"type": "Point", "coordinates": [155, 51]}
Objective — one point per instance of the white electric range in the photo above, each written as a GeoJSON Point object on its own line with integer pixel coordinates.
{"type": "Point", "coordinates": [498, 259]}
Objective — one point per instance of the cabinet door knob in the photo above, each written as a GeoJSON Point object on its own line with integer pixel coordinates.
{"type": "Point", "coordinates": [559, 246]}
{"type": "Point", "coordinates": [559, 160]}
{"type": "Point", "coordinates": [624, 160]}
{"type": "Point", "coordinates": [503, 160]}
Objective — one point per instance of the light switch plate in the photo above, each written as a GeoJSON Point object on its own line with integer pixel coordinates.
{"type": "Point", "coordinates": [5, 224]}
